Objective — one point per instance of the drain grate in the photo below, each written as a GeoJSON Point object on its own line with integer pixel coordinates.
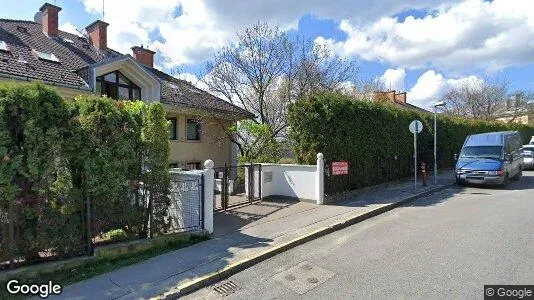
{"type": "Point", "coordinates": [226, 288]}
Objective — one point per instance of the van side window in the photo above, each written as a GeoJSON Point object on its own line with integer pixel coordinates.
{"type": "Point", "coordinates": [517, 143]}
{"type": "Point", "coordinates": [507, 145]}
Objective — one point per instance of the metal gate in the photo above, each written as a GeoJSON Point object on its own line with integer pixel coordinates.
{"type": "Point", "coordinates": [187, 202]}
{"type": "Point", "coordinates": [236, 185]}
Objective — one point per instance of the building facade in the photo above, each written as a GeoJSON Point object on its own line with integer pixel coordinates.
{"type": "Point", "coordinates": [38, 51]}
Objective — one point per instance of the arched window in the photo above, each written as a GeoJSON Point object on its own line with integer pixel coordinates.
{"type": "Point", "coordinates": [117, 86]}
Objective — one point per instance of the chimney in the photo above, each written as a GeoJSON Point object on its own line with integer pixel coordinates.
{"type": "Point", "coordinates": [98, 34]}
{"type": "Point", "coordinates": [390, 95]}
{"type": "Point", "coordinates": [400, 97]}
{"type": "Point", "coordinates": [50, 19]}
{"type": "Point", "coordinates": [144, 56]}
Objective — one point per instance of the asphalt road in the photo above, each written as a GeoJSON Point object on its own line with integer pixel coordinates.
{"type": "Point", "coordinates": [447, 245]}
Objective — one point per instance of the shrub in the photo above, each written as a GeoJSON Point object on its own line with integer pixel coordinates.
{"type": "Point", "coordinates": [61, 159]}
{"type": "Point", "coordinates": [366, 134]}
{"type": "Point", "coordinates": [286, 160]}
{"type": "Point", "coordinates": [117, 235]}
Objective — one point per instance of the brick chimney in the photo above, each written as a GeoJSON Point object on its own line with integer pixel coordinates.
{"type": "Point", "coordinates": [144, 56]}
{"type": "Point", "coordinates": [400, 97]}
{"type": "Point", "coordinates": [50, 19]}
{"type": "Point", "coordinates": [98, 34]}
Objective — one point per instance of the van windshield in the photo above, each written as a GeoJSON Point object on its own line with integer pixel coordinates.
{"type": "Point", "coordinates": [493, 152]}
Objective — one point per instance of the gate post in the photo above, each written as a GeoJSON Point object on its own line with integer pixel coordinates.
{"type": "Point", "coordinates": [319, 179]}
{"type": "Point", "coordinates": [224, 187]}
{"type": "Point", "coordinates": [208, 195]}
{"type": "Point", "coordinates": [251, 183]}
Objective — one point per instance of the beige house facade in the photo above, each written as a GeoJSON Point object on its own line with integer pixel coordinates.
{"type": "Point", "coordinates": [76, 65]}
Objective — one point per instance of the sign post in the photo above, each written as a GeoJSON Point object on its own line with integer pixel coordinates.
{"type": "Point", "coordinates": [415, 128]}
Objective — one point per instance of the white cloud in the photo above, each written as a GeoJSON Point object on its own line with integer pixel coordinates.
{"type": "Point", "coordinates": [203, 26]}
{"type": "Point", "coordinates": [393, 79]}
{"type": "Point", "coordinates": [69, 27]}
{"type": "Point", "coordinates": [430, 86]}
{"type": "Point", "coordinates": [473, 33]}
{"type": "Point", "coordinates": [455, 34]}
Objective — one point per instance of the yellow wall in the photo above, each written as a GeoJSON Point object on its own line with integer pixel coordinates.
{"type": "Point", "coordinates": [213, 144]}
{"type": "Point", "coordinates": [527, 119]}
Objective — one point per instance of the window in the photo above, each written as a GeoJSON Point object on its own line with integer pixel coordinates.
{"type": "Point", "coordinates": [3, 46]}
{"type": "Point", "coordinates": [480, 152]}
{"type": "Point", "coordinates": [173, 132]}
{"type": "Point", "coordinates": [117, 86]}
{"type": "Point", "coordinates": [193, 130]}
{"type": "Point", "coordinates": [193, 166]}
{"type": "Point", "coordinates": [174, 165]}
{"type": "Point", "coordinates": [46, 56]}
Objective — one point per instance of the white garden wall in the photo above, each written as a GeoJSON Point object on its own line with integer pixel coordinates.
{"type": "Point", "coordinates": [304, 182]}
{"type": "Point", "coordinates": [296, 181]}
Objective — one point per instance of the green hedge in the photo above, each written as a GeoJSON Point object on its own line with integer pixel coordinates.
{"type": "Point", "coordinates": [366, 134]}
{"type": "Point", "coordinates": [62, 159]}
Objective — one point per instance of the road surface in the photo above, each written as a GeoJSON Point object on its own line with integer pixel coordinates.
{"type": "Point", "coordinates": [448, 245]}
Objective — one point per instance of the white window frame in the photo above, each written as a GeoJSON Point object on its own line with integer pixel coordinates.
{"type": "Point", "coordinates": [3, 46]}
{"type": "Point", "coordinates": [45, 56]}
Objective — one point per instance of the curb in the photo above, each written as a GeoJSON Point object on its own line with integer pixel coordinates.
{"type": "Point", "coordinates": [252, 260]}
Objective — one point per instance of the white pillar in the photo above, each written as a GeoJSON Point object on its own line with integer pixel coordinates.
{"type": "Point", "coordinates": [208, 195]}
{"type": "Point", "coordinates": [319, 179]}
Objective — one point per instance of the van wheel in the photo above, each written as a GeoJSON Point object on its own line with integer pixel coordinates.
{"type": "Point", "coordinates": [518, 176]}
{"type": "Point", "coordinates": [505, 182]}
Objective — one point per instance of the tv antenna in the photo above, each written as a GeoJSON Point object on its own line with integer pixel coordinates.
{"type": "Point", "coordinates": [103, 9]}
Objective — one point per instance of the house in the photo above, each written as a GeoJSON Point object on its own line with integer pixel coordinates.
{"type": "Point", "coordinates": [74, 65]}
{"type": "Point", "coordinates": [517, 110]}
{"type": "Point", "coordinates": [397, 98]}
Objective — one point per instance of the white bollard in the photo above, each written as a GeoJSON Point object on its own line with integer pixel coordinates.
{"type": "Point", "coordinates": [319, 179]}
{"type": "Point", "coordinates": [208, 195]}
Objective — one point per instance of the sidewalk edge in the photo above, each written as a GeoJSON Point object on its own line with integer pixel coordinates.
{"type": "Point", "coordinates": [252, 260]}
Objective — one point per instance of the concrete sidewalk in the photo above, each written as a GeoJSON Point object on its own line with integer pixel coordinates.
{"type": "Point", "coordinates": [243, 237]}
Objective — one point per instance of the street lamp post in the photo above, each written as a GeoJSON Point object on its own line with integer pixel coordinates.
{"type": "Point", "coordinates": [436, 105]}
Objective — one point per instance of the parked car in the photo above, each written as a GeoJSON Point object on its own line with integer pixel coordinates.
{"type": "Point", "coordinates": [490, 158]}
{"type": "Point", "coordinates": [528, 157]}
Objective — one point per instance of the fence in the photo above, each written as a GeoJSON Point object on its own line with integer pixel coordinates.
{"type": "Point", "coordinates": [371, 172]}
{"type": "Point", "coordinates": [32, 230]}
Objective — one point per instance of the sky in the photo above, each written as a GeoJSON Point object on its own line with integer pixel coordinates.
{"type": "Point", "coordinates": [423, 47]}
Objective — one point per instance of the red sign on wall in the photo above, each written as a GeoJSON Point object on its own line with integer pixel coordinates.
{"type": "Point", "coordinates": [340, 168]}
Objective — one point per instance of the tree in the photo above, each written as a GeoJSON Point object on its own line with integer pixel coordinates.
{"type": "Point", "coordinates": [33, 121]}
{"type": "Point", "coordinates": [477, 99]}
{"type": "Point", "coordinates": [156, 161]}
{"type": "Point", "coordinates": [267, 70]}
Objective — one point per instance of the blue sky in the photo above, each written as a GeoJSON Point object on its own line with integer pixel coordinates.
{"type": "Point", "coordinates": [424, 47]}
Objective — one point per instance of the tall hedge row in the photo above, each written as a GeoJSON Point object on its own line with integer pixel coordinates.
{"type": "Point", "coordinates": [344, 129]}
{"type": "Point", "coordinates": [71, 170]}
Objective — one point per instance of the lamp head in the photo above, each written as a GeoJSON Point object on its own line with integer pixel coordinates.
{"type": "Point", "coordinates": [438, 104]}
